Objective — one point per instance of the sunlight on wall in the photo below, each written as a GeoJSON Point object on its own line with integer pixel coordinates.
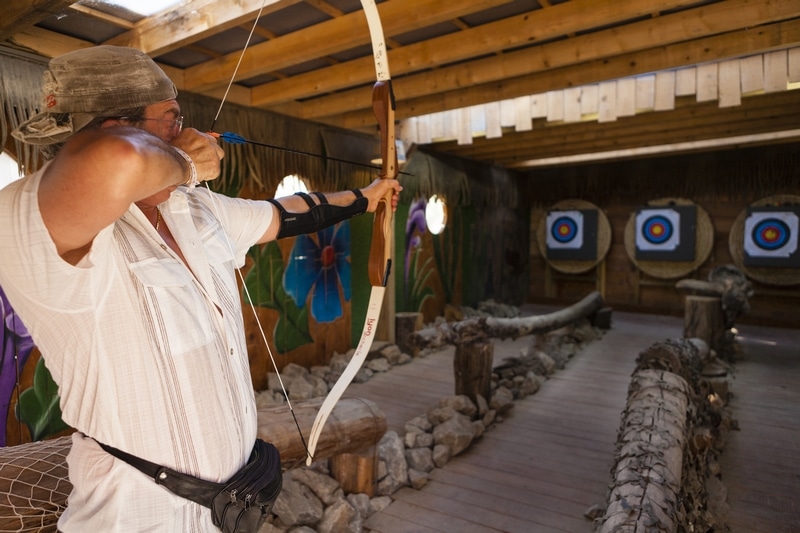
{"type": "Point", "coordinates": [290, 185]}
{"type": "Point", "coordinates": [436, 215]}
{"type": "Point", "coordinates": [8, 170]}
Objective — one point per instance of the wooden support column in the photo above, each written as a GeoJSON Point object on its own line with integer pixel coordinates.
{"type": "Point", "coordinates": [472, 366]}
{"type": "Point", "coordinates": [704, 319]}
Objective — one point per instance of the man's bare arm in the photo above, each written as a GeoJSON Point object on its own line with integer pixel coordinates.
{"type": "Point", "coordinates": [95, 178]}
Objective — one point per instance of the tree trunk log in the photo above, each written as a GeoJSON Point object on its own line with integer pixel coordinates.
{"type": "Point", "coordinates": [472, 366]}
{"type": "Point", "coordinates": [406, 325]}
{"type": "Point", "coordinates": [703, 318]}
{"type": "Point", "coordinates": [647, 476]}
{"type": "Point", "coordinates": [354, 425]}
{"type": "Point", "coordinates": [477, 328]}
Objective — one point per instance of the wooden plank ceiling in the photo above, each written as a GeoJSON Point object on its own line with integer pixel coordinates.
{"type": "Point", "coordinates": [312, 59]}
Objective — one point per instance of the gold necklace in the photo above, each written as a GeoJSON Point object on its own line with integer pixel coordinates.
{"type": "Point", "coordinates": [158, 218]}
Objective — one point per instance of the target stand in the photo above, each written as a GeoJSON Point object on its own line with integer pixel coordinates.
{"type": "Point", "coordinates": [574, 237]}
{"type": "Point", "coordinates": [668, 239]}
{"type": "Point", "coordinates": [764, 240]}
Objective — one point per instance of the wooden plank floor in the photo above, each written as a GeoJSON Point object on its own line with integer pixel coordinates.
{"type": "Point", "coordinates": [550, 459]}
{"type": "Point", "coordinates": [545, 464]}
{"type": "Point", "coordinates": [761, 461]}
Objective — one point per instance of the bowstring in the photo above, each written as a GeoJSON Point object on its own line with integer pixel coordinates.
{"type": "Point", "coordinates": [238, 63]}
{"type": "Point", "coordinates": [230, 246]}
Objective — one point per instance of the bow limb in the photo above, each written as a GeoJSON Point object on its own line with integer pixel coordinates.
{"type": "Point", "coordinates": [380, 250]}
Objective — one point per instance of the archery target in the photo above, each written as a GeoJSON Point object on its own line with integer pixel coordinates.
{"type": "Point", "coordinates": [666, 233]}
{"type": "Point", "coordinates": [571, 235]}
{"type": "Point", "coordinates": [658, 230]}
{"type": "Point", "coordinates": [565, 230]}
{"type": "Point", "coordinates": [770, 237]}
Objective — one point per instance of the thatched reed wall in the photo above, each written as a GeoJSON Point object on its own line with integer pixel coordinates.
{"type": "Point", "coordinates": [246, 167]}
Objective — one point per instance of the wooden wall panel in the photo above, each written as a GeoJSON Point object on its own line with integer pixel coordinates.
{"type": "Point", "coordinates": [626, 288]}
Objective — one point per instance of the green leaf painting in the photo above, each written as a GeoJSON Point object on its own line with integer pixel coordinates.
{"type": "Point", "coordinates": [38, 405]}
{"type": "Point", "coordinates": [264, 283]}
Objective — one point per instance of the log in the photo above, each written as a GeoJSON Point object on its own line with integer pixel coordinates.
{"type": "Point", "coordinates": [647, 475]}
{"type": "Point", "coordinates": [354, 425]}
{"type": "Point", "coordinates": [704, 319]}
{"type": "Point", "coordinates": [478, 328]}
{"type": "Point", "coordinates": [406, 324]}
{"type": "Point", "coordinates": [727, 283]}
{"type": "Point", "coordinates": [472, 366]}
{"type": "Point", "coordinates": [33, 476]}
{"type": "Point", "coordinates": [34, 485]}
{"type": "Point", "coordinates": [700, 287]}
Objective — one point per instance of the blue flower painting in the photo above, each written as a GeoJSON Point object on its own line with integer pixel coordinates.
{"type": "Point", "coordinates": [320, 268]}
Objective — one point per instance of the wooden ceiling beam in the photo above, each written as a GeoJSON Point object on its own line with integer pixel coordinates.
{"type": "Point", "coordinates": [710, 49]}
{"type": "Point", "coordinates": [511, 32]}
{"type": "Point", "coordinates": [558, 140]}
{"type": "Point", "coordinates": [326, 38]}
{"type": "Point", "coordinates": [15, 15]}
{"type": "Point", "coordinates": [47, 43]}
{"type": "Point", "coordinates": [193, 21]}
{"type": "Point", "coordinates": [546, 136]}
{"type": "Point", "coordinates": [684, 136]}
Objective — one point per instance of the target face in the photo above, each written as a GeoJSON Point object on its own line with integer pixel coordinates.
{"type": "Point", "coordinates": [572, 235]}
{"type": "Point", "coordinates": [770, 235]}
{"type": "Point", "coordinates": [564, 230]}
{"type": "Point", "coordinates": [658, 230]}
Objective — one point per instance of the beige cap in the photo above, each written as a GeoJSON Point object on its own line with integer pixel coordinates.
{"type": "Point", "coordinates": [87, 83]}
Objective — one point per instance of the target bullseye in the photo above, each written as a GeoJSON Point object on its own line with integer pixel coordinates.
{"type": "Point", "coordinates": [771, 234]}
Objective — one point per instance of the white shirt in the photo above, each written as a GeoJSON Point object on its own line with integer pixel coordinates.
{"type": "Point", "coordinates": [149, 355]}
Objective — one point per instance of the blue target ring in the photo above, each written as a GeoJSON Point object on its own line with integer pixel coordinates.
{"type": "Point", "coordinates": [771, 234]}
{"type": "Point", "coordinates": [564, 229]}
{"type": "Point", "coordinates": [657, 229]}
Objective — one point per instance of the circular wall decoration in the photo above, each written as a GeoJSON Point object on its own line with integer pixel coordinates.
{"type": "Point", "coordinates": [574, 236]}
{"type": "Point", "coordinates": [669, 238]}
{"type": "Point", "coordinates": [763, 240]}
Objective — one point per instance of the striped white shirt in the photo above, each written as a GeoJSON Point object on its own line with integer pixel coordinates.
{"type": "Point", "coordinates": [149, 355]}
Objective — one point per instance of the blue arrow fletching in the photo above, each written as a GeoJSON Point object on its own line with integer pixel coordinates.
{"type": "Point", "coordinates": [232, 138]}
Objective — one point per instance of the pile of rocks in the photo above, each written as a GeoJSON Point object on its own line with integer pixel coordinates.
{"type": "Point", "coordinates": [312, 501]}
{"type": "Point", "coordinates": [302, 383]}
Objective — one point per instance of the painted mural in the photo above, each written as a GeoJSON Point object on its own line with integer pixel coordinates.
{"type": "Point", "coordinates": [29, 402]}
{"type": "Point", "coordinates": [317, 273]}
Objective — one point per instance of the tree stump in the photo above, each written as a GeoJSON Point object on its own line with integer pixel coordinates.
{"type": "Point", "coordinates": [356, 472]}
{"type": "Point", "coordinates": [472, 365]}
{"type": "Point", "coordinates": [405, 325]}
{"type": "Point", "coordinates": [704, 319]}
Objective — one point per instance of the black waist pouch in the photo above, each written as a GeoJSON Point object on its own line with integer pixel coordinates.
{"type": "Point", "coordinates": [239, 505]}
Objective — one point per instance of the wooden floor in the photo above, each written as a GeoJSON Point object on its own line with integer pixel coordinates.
{"type": "Point", "coordinates": [761, 462]}
{"type": "Point", "coordinates": [549, 460]}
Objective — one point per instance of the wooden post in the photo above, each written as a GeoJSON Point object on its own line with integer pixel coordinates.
{"type": "Point", "coordinates": [406, 324]}
{"type": "Point", "coordinates": [472, 365]}
{"type": "Point", "coordinates": [355, 472]}
{"type": "Point", "coordinates": [703, 319]}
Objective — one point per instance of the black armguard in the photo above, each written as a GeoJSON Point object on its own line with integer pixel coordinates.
{"type": "Point", "coordinates": [318, 216]}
